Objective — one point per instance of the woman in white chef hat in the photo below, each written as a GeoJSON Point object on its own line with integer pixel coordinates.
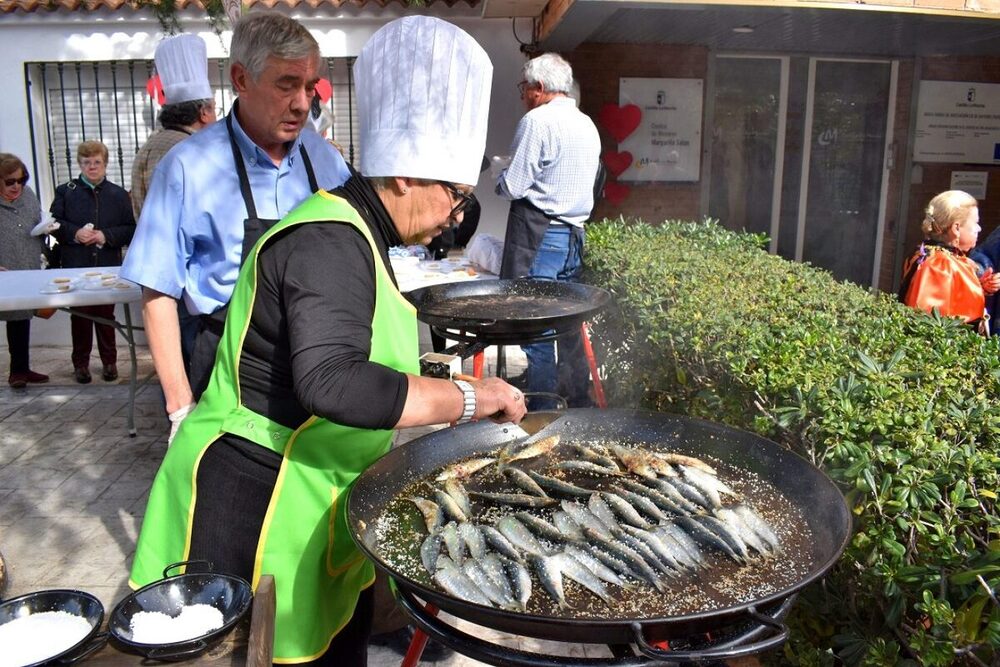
{"type": "Point", "coordinates": [318, 362]}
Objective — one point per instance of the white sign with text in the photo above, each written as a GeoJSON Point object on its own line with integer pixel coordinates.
{"type": "Point", "coordinates": [667, 144]}
{"type": "Point", "coordinates": [973, 182]}
{"type": "Point", "coordinates": [958, 122]}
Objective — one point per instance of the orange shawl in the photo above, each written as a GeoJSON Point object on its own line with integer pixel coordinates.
{"type": "Point", "coordinates": [944, 278]}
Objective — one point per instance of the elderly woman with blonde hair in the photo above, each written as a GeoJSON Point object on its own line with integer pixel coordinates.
{"type": "Point", "coordinates": [940, 274]}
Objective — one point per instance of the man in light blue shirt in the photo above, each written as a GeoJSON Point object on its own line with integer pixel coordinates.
{"type": "Point", "coordinates": [215, 193]}
{"type": "Point", "coordinates": [550, 181]}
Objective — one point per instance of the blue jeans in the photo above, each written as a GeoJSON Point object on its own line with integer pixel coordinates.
{"type": "Point", "coordinates": [560, 257]}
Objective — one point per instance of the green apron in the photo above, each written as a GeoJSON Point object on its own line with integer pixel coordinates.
{"type": "Point", "coordinates": [305, 542]}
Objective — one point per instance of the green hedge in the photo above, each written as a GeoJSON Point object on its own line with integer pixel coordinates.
{"type": "Point", "coordinates": [899, 407]}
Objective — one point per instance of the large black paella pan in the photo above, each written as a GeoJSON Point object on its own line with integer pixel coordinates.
{"type": "Point", "coordinates": [802, 503]}
{"type": "Point", "coordinates": [508, 311]}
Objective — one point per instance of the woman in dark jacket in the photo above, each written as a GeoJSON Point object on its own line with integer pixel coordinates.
{"type": "Point", "coordinates": [96, 221]}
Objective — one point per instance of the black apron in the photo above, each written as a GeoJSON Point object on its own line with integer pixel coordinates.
{"type": "Point", "coordinates": [526, 226]}
{"type": "Point", "coordinates": [210, 331]}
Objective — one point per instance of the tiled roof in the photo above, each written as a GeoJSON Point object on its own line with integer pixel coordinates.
{"type": "Point", "coordinates": [7, 6]}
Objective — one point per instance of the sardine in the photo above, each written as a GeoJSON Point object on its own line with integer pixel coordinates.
{"type": "Point", "coordinates": [622, 508]}
{"type": "Point", "coordinates": [520, 536]}
{"type": "Point", "coordinates": [493, 567]}
{"type": "Point", "coordinates": [433, 515]}
{"type": "Point", "coordinates": [613, 563]}
{"type": "Point", "coordinates": [630, 556]}
{"type": "Point", "coordinates": [641, 503]}
{"type": "Point", "coordinates": [464, 469]}
{"type": "Point", "coordinates": [587, 467]}
{"type": "Point", "coordinates": [600, 509]}
{"type": "Point", "coordinates": [747, 534]}
{"type": "Point", "coordinates": [600, 570]}
{"type": "Point", "coordinates": [430, 550]}
{"type": "Point", "coordinates": [515, 499]}
{"type": "Point", "coordinates": [702, 534]}
{"type": "Point", "coordinates": [689, 492]}
{"type": "Point", "coordinates": [586, 519]}
{"type": "Point", "coordinates": [524, 481]}
{"type": "Point", "coordinates": [483, 581]}
{"type": "Point", "coordinates": [674, 548]}
{"type": "Point", "coordinates": [680, 459]}
{"type": "Point", "coordinates": [455, 582]}
{"type": "Point", "coordinates": [500, 544]}
{"type": "Point", "coordinates": [659, 498]}
{"type": "Point", "coordinates": [594, 456]}
{"type": "Point", "coordinates": [726, 533]}
{"type": "Point", "coordinates": [670, 491]}
{"type": "Point", "coordinates": [550, 575]}
{"type": "Point", "coordinates": [681, 537]}
{"type": "Point", "coordinates": [642, 463]}
{"type": "Point", "coordinates": [761, 527]}
{"type": "Point", "coordinates": [520, 582]}
{"type": "Point", "coordinates": [557, 485]}
{"type": "Point", "coordinates": [450, 507]}
{"type": "Point", "coordinates": [454, 488]}
{"type": "Point", "coordinates": [647, 553]}
{"type": "Point", "coordinates": [655, 545]}
{"type": "Point", "coordinates": [453, 542]}
{"type": "Point", "coordinates": [473, 538]}
{"type": "Point", "coordinates": [566, 526]}
{"type": "Point", "coordinates": [520, 452]}
{"type": "Point", "coordinates": [576, 571]}
{"type": "Point", "coordinates": [540, 527]}
{"type": "Point", "coordinates": [710, 485]}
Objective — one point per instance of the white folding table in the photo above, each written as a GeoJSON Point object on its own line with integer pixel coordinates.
{"type": "Point", "coordinates": [31, 290]}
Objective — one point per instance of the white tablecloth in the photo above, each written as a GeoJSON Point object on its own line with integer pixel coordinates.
{"type": "Point", "coordinates": [411, 274]}
{"type": "Point", "coordinates": [23, 290]}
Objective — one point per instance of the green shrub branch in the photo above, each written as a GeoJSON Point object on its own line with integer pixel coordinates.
{"type": "Point", "coordinates": [898, 407]}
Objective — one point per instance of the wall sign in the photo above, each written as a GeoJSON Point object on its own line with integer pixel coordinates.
{"type": "Point", "coordinates": [958, 122]}
{"type": "Point", "coordinates": [666, 146]}
{"type": "Point", "coordinates": [973, 182]}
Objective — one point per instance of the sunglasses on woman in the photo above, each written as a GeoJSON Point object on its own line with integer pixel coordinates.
{"type": "Point", "coordinates": [8, 182]}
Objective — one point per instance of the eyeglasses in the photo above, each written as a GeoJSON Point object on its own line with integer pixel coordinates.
{"type": "Point", "coordinates": [521, 87]}
{"type": "Point", "coordinates": [463, 199]}
{"type": "Point", "coordinates": [8, 182]}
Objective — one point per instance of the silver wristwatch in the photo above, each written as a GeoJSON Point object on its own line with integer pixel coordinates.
{"type": "Point", "coordinates": [468, 400]}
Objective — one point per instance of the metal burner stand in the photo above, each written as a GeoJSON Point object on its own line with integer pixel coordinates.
{"type": "Point", "coordinates": [744, 643]}
{"type": "Point", "coordinates": [472, 343]}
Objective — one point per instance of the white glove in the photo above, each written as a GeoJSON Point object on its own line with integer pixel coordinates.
{"type": "Point", "coordinates": [497, 164]}
{"type": "Point", "coordinates": [176, 417]}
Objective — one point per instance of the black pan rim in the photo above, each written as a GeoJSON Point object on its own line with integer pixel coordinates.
{"type": "Point", "coordinates": [68, 654]}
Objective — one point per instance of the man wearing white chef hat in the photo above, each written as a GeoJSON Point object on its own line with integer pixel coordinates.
{"type": "Point", "coordinates": [310, 378]}
{"type": "Point", "coordinates": [189, 105]}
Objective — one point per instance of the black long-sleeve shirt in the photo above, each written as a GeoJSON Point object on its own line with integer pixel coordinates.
{"type": "Point", "coordinates": [306, 350]}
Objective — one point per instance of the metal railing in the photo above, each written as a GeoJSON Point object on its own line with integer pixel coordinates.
{"type": "Point", "coordinates": [70, 102]}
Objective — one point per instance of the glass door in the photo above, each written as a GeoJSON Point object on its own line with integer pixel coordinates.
{"type": "Point", "coordinates": [750, 99]}
{"type": "Point", "coordinates": [842, 200]}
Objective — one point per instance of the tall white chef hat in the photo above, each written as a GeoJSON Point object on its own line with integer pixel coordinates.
{"type": "Point", "coordinates": [182, 63]}
{"type": "Point", "coordinates": [423, 100]}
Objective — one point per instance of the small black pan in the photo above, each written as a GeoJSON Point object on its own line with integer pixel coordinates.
{"type": "Point", "coordinates": [229, 594]}
{"type": "Point", "coordinates": [77, 603]}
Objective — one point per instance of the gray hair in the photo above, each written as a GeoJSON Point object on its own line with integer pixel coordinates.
{"type": "Point", "coordinates": [260, 35]}
{"type": "Point", "coordinates": [550, 70]}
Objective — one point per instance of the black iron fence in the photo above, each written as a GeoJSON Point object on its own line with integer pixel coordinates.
{"type": "Point", "coordinates": [70, 102]}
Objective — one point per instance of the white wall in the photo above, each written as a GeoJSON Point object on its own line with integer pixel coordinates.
{"type": "Point", "coordinates": [126, 35]}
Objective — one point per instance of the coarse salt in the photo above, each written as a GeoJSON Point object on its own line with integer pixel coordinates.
{"type": "Point", "coordinates": [155, 627]}
{"type": "Point", "coordinates": [37, 637]}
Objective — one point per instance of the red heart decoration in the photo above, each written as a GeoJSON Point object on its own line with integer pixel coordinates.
{"type": "Point", "coordinates": [620, 121]}
{"type": "Point", "coordinates": [616, 192]}
{"type": "Point", "coordinates": [617, 162]}
{"type": "Point", "coordinates": [155, 89]}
